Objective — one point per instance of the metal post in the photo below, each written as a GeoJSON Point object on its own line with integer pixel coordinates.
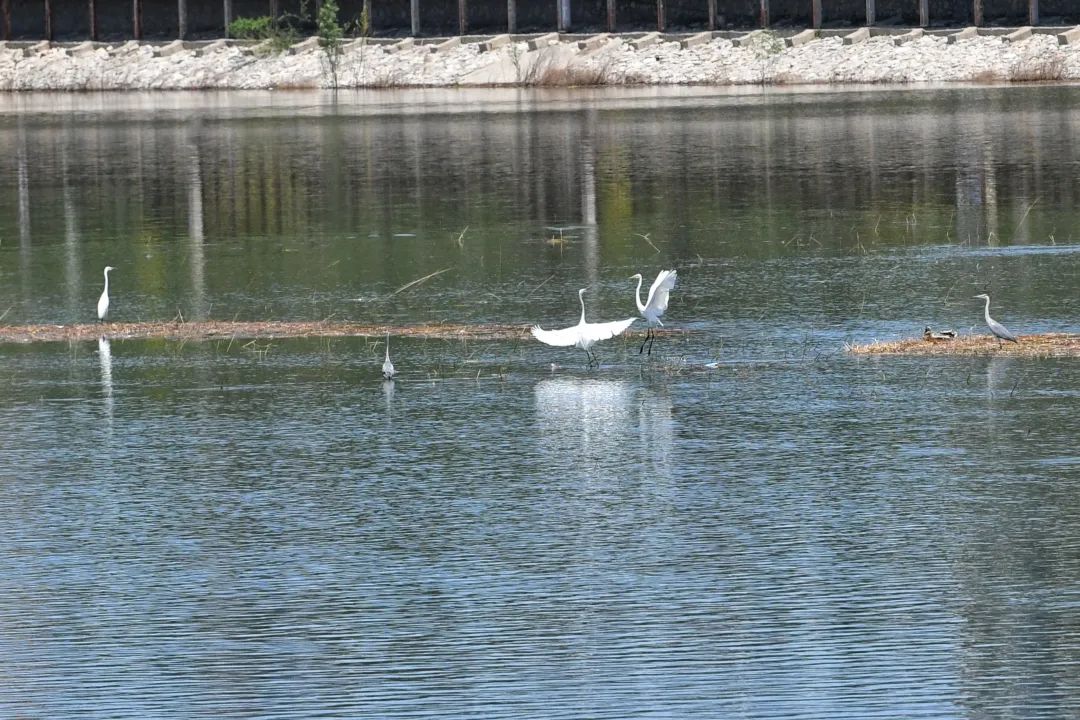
{"type": "Point", "coordinates": [5, 6]}
{"type": "Point", "coordinates": [511, 16]}
{"type": "Point", "coordinates": [977, 12]}
{"type": "Point", "coordinates": [562, 15]}
{"type": "Point", "coordinates": [1033, 12]}
{"type": "Point", "coordinates": [48, 20]}
{"type": "Point", "coordinates": [815, 14]}
{"type": "Point", "coordinates": [764, 13]}
{"type": "Point", "coordinates": [660, 20]}
{"type": "Point", "coordinates": [92, 10]}
{"type": "Point", "coordinates": [136, 18]}
{"type": "Point", "coordinates": [871, 12]}
{"type": "Point", "coordinates": [414, 12]}
{"type": "Point", "coordinates": [611, 16]}
{"type": "Point", "coordinates": [924, 13]}
{"type": "Point", "coordinates": [712, 15]}
{"type": "Point", "coordinates": [367, 14]}
{"type": "Point", "coordinates": [227, 11]}
{"type": "Point", "coordinates": [462, 15]}
{"type": "Point", "coordinates": [181, 18]}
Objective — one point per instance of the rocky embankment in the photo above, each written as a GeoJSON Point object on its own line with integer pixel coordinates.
{"type": "Point", "coordinates": [721, 58]}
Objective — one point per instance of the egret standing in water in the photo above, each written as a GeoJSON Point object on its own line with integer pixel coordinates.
{"type": "Point", "coordinates": [583, 335]}
{"type": "Point", "coordinates": [103, 301]}
{"type": "Point", "coordinates": [388, 371]}
{"type": "Point", "coordinates": [999, 330]}
{"type": "Point", "coordinates": [655, 306]}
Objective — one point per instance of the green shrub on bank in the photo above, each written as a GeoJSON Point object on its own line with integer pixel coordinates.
{"type": "Point", "coordinates": [258, 28]}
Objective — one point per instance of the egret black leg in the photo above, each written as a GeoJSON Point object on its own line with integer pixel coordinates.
{"type": "Point", "coordinates": [648, 335]}
{"type": "Point", "coordinates": [652, 337]}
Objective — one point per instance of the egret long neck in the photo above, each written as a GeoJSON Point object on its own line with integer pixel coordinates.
{"type": "Point", "coordinates": [637, 296]}
{"type": "Point", "coordinates": [581, 298]}
{"type": "Point", "coordinates": [986, 311]}
{"type": "Point", "coordinates": [106, 281]}
{"type": "Point", "coordinates": [388, 346]}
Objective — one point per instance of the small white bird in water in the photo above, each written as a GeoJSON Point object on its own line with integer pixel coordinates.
{"type": "Point", "coordinates": [995, 327]}
{"type": "Point", "coordinates": [583, 335]}
{"type": "Point", "coordinates": [103, 301]}
{"type": "Point", "coordinates": [657, 303]}
{"type": "Point", "coordinates": [388, 371]}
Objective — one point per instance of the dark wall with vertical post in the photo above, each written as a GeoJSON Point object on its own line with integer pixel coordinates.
{"type": "Point", "coordinates": [27, 19]}
{"type": "Point", "coordinates": [686, 14]}
{"type": "Point", "coordinates": [898, 12]}
{"type": "Point", "coordinates": [1005, 12]}
{"type": "Point", "coordinates": [205, 18]}
{"type": "Point", "coordinates": [953, 12]}
{"type": "Point", "coordinates": [1065, 12]}
{"type": "Point", "coordinates": [786, 12]}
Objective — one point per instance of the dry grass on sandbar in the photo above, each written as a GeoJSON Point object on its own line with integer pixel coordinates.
{"type": "Point", "coordinates": [1044, 345]}
{"type": "Point", "coordinates": [258, 330]}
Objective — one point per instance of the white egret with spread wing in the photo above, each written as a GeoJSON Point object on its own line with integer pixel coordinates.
{"type": "Point", "coordinates": [999, 330]}
{"type": "Point", "coordinates": [583, 335]}
{"type": "Point", "coordinates": [656, 304]}
{"type": "Point", "coordinates": [103, 301]}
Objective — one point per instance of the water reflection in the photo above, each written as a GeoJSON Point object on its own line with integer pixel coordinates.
{"type": "Point", "coordinates": [587, 419]}
{"type": "Point", "coordinates": [105, 363]}
{"type": "Point", "coordinates": [582, 415]}
{"type": "Point", "coordinates": [1002, 377]}
{"type": "Point", "coordinates": [196, 236]}
{"type": "Point", "coordinates": [291, 199]}
{"type": "Point", "coordinates": [76, 304]}
{"type": "Point", "coordinates": [23, 184]}
{"type": "Point", "coordinates": [388, 396]}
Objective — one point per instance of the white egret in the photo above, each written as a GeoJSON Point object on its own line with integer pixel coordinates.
{"type": "Point", "coordinates": [657, 303]}
{"type": "Point", "coordinates": [995, 327]}
{"type": "Point", "coordinates": [584, 334]}
{"type": "Point", "coordinates": [388, 371]}
{"type": "Point", "coordinates": [103, 301]}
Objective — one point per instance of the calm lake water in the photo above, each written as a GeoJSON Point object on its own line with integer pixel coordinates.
{"type": "Point", "coordinates": [748, 524]}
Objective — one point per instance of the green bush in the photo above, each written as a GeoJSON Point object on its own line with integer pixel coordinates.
{"type": "Point", "coordinates": [258, 28]}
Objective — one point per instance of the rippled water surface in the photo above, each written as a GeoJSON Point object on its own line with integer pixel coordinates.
{"type": "Point", "coordinates": [749, 523]}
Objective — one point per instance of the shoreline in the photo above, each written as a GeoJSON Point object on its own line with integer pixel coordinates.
{"type": "Point", "coordinates": [880, 56]}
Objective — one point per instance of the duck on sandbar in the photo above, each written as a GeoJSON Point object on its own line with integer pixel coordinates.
{"type": "Point", "coordinates": [938, 335]}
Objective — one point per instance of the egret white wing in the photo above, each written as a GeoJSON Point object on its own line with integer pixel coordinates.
{"type": "Point", "coordinates": [658, 293]}
{"type": "Point", "coordinates": [559, 338]}
{"type": "Point", "coordinates": [102, 305]}
{"type": "Point", "coordinates": [593, 332]}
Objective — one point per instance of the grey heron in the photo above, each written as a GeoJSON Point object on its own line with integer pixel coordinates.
{"type": "Point", "coordinates": [388, 371]}
{"type": "Point", "coordinates": [999, 330]}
